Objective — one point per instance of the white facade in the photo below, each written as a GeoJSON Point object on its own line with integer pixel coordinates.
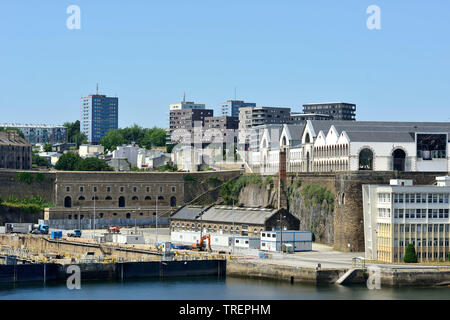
{"type": "Point", "coordinates": [186, 105]}
{"type": "Point", "coordinates": [151, 159]}
{"type": "Point", "coordinates": [88, 150]}
{"type": "Point", "coordinates": [128, 238]}
{"type": "Point", "coordinates": [401, 213]}
{"type": "Point", "coordinates": [218, 241]}
{"type": "Point", "coordinates": [247, 242]}
{"type": "Point", "coordinates": [52, 157]}
{"type": "Point", "coordinates": [272, 240]}
{"type": "Point", "coordinates": [334, 146]}
{"type": "Point", "coordinates": [127, 152]}
{"type": "Point", "coordinates": [187, 158]}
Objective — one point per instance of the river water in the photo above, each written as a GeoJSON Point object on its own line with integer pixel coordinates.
{"type": "Point", "coordinates": [213, 288]}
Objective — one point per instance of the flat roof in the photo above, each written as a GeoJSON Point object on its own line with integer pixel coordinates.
{"type": "Point", "coordinates": [322, 103]}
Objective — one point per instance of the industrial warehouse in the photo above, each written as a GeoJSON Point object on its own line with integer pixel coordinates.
{"type": "Point", "coordinates": [238, 227]}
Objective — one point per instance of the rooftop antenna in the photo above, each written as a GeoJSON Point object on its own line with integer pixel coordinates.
{"type": "Point", "coordinates": [97, 88]}
{"type": "Point", "coordinates": [184, 97]}
{"type": "Point", "coordinates": [235, 93]}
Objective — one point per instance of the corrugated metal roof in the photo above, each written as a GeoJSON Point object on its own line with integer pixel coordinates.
{"type": "Point", "coordinates": [239, 215]}
{"type": "Point", "coordinates": [378, 131]}
{"type": "Point", "coordinates": [225, 214]}
{"type": "Point", "coordinates": [187, 213]}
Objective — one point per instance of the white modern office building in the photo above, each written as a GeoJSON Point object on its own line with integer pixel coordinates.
{"type": "Point", "coordinates": [401, 213]}
{"type": "Point", "coordinates": [186, 105]}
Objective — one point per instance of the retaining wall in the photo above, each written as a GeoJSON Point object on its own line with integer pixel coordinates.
{"type": "Point", "coordinates": [101, 223]}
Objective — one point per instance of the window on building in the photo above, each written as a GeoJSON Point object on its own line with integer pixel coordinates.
{"type": "Point", "coordinates": [431, 146]}
{"type": "Point", "coordinates": [366, 159]}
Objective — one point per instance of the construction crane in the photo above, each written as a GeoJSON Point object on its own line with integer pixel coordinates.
{"type": "Point", "coordinates": [202, 244]}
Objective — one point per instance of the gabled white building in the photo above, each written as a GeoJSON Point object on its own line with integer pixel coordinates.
{"type": "Point", "coordinates": [333, 146]}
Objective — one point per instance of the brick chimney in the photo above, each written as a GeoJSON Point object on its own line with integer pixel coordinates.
{"type": "Point", "coordinates": [12, 135]}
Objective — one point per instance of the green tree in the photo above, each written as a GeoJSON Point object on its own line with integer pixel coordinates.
{"type": "Point", "coordinates": [168, 167]}
{"type": "Point", "coordinates": [410, 254]}
{"type": "Point", "coordinates": [68, 162]}
{"type": "Point", "coordinates": [112, 140]}
{"type": "Point", "coordinates": [157, 137]}
{"type": "Point", "coordinates": [47, 147]}
{"type": "Point", "coordinates": [38, 160]}
{"type": "Point", "coordinates": [93, 164]}
{"type": "Point", "coordinates": [144, 137]}
{"type": "Point", "coordinates": [133, 134]}
{"type": "Point", "coordinates": [170, 147]}
{"type": "Point", "coordinates": [74, 135]}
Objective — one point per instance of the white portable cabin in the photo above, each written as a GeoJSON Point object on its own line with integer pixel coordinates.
{"type": "Point", "coordinates": [184, 237]}
{"type": "Point", "coordinates": [221, 241]}
{"type": "Point", "coordinates": [218, 241]}
{"type": "Point", "coordinates": [300, 240]}
{"type": "Point", "coordinates": [247, 242]}
{"type": "Point", "coordinates": [130, 239]}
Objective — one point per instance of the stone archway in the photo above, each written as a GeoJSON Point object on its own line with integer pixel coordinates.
{"type": "Point", "coordinates": [173, 201]}
{"type": "Point", "coordinates": [398, 160]}
{"type": "Point", "coordinates": [68, 202]}
{"type": "Point", "coordinates": [365, 159]}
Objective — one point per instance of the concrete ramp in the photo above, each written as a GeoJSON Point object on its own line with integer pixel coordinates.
{"type": "Point", "coordinates": [348, 276]}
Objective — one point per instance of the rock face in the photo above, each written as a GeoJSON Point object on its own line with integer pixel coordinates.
{"type": "Point", "coordinates": [8, 214]}
{"type": "Point", "coordinates": [258, 196]}
{"type": "Point", "coordinates": [318, 219]}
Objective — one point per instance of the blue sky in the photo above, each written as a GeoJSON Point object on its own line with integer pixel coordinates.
{"type": "Point", "coordinates": [277, 53]}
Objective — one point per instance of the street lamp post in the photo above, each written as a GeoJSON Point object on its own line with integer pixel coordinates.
{"type": "Point", "coordinates": [157, 221]}
{"type": "Point", "coordinates": [95, 196]}
{"type": "Point", "coordinates": [281, 230]}
{"type": "Point", "coordinates": [234, 231]}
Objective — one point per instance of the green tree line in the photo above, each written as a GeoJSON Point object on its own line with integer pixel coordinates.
{"type": "Point", "coordinates": [73, 162]}
{"type": "Point", "coordinates": [144, 137]}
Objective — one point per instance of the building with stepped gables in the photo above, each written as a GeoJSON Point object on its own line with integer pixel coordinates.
{"type": "Point", "coordinates": [337, 146]}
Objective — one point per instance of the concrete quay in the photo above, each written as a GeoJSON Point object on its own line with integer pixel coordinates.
{"type": "Point", "coordinates": [391, 277]}
{"type": "Point", "coordinates": [303, 267]}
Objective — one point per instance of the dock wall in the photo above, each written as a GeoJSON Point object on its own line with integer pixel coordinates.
{"type": "Point", "coordinates": [40, 244]}
{"type": "Point", "coordinates": [415, 278]}
{"type": "Point", "coordinates": [282, 273]}
{"type": "Point", "coordinates": [388, 277]}
{"type": "Point", "coordinates": [112, 271]}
